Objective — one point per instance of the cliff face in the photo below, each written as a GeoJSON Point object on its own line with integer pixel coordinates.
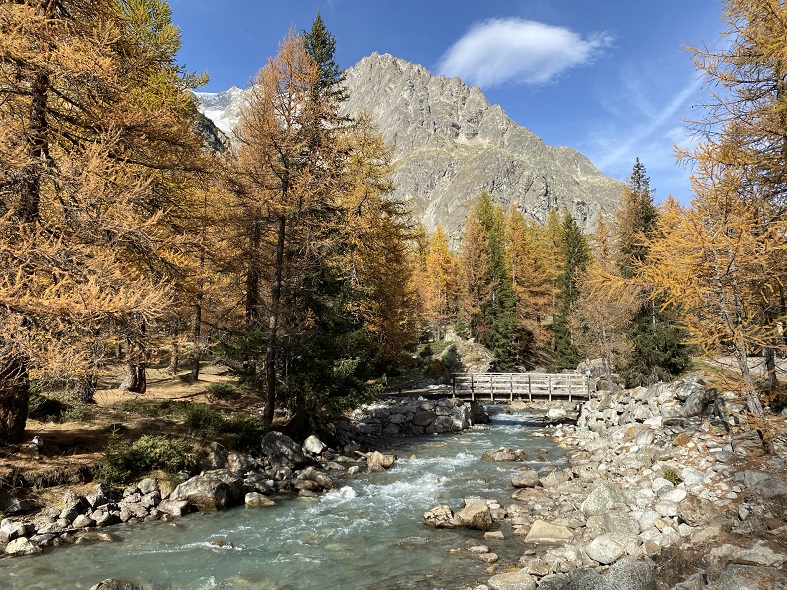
{"type": "Point", "coordinates": [451, 145]}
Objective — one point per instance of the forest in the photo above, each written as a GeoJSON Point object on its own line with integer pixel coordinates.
{"type": "Point", "coordinates": [128, 225]}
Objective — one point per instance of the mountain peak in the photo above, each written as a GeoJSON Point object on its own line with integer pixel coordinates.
{"type": "Point", "coordinates": [451, 145]}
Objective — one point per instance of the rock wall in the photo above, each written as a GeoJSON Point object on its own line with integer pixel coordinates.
{"type": "Point", "coordinates": [413, 415]}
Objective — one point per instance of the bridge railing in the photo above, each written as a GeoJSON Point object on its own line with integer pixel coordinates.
{"type": "Point", "coordinates": [520, 385]}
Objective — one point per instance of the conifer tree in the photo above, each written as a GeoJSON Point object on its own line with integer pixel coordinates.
{"type": "Point", "coordinates": [659, 352]}
{"type": "Point", "coordinates": [83, 182]}
{"type": "Point", "coordinates": [576, 257]}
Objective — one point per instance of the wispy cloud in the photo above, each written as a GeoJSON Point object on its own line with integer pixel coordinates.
{"type": "Point", "coordinates": [645, 122]}
{"type": "Point", "coordinates": [501, 50]}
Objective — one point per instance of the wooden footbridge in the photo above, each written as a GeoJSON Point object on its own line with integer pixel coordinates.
{"type": "Point", "coordinates": [525, 386]}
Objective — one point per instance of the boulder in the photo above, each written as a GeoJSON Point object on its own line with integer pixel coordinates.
{"type": "Point", "coordinates": [377, 461]}
{"type": "Point", "coordinates": [206, 492]}
{"type": "Point", "coordinates": [257, 500]}
{"type": "Point", "coordinates": [749, 577]}
{"type": "Point", "coordinates": [629, 573]}
{"type": "Point", "coordinates": [112, 584]}
{"type": "Point", "coordinates": [440, 517]}
{"type": "Point", "coordinates": [175, 507]}
{"type": "Point", "coordinates": [475, 515]}
{"type": "Point", "coordinates": [605, 550]}
{"type": "Point", "coordinates": [282, 451]}
{"type": "Point", "coordinates": [216, 457]}
{"type": "Point", "coordinates": [696, 511]}
{"type": "Point", "coordinates": [22, 546]}
{"type": "Point", "coordinates": [543, 532]}
{"type": "Point", "coordinates": [519, 580]}
{"type": "Point", "coordinates": [525, 479]}
{"type": "Point", "coordinates": [604, 497]}
{"type": "Point", "coordinates": [314, 445]}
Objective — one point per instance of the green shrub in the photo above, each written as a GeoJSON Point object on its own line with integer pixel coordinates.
{"type": "Point", "coordinates": [671, 475]}
{"type": "Point", "coordinates": [222, 391]}
{"type": "Point", "coordinates": [112, 470]}
{"type": "Point", "coordinates": [246, 429]}
{"type": "Point", "coordinates": [203, 418]}
{"type": "Point", "coordinates": [120, 460]}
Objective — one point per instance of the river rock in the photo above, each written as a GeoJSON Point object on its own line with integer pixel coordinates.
{"type": "Point", "coordinates": [629, 573]}
{"type": "Point", "coordinates": [282, 451]}
{"type": "Point", "coordinates": [748, 577]}
{"type": "Point", "coordinates": [440, 517]}
{"type": "Point", "coordinates": [525, 479]}
{"type": "Point", "coordinates": [377, 461]}
{"type": "Point", "coordinates": [257, 500]}
{"type": "Point", "coordinates": [22, 546]}
{"type": "Point", "coordinates": [475, 515]}
{"type": "Point", "coordinates": [519, 580]}
{"type": "Point", "coordinates": [504, 454]}
{"type": "Point", "coordinates": [603, 498]}
{"type": "Point", "coordinates": [175, 507]}
{"type": "Point", "coordinates": [696, 511]}
{"type": "Point", "coordinates": [112, 584]}
{"type": "Point", "coordinates": [203, 491]}
{"type": "Point", "coordinates": [605, 550]}
{"type": "Point", "coordinates": [314, 445]}
{"type": "Point", "coordinates": [543, 532]}
{"type": "Point", "coordinates": [83, 521]}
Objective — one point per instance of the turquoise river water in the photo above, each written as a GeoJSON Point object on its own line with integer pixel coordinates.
{"type": "Point", "coordinates": [367, 534]}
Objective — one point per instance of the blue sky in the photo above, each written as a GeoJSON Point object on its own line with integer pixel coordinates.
{"type": "Point", "coordinates": [609, 78]}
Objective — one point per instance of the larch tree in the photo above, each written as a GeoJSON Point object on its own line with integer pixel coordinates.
{"type": "Point", "coordinates": [533, 281]}
{"type": "Point", "coordinates": [81, 228]}
{"type": "Point", "coordinates": [442, 283]}
{"type": "Point", "coordinates": [601, 316]}
{"type": "Point", "coordinates": [474, 262]}
{"type": "Point", "coordinates": [736, 268]}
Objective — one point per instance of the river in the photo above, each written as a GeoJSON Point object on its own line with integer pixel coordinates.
{"type": "Point", "coordinates": [367, 534]}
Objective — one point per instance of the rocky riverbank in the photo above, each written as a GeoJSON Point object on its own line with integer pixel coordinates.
{"type": "Point", "coordinates": [283, 467]}
{"type": "Point", "coordinates": [665, 489]}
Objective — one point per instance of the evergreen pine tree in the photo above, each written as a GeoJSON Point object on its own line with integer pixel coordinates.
{"type": "Point", "coordinates": [659, 352]}
{"type": "Point", "coordinates": [576, 257]}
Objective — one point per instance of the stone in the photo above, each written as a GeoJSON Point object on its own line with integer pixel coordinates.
{"type": "Point", "coordinates": [555, 478]}
{"type": "Point", "coordinates": [475, 515]}
{"type": "Point", "coordinates": [175, 507]}
{"type": "Point", "coordinates": [440, 517]}
{"type": "Point", "coordinates": [500, 455]}
{"type": "Point", "coordinates": [204, 492]}
{"type": "Point", "coordinates": [112, 584]}
{"type": "Point", "coordinates": [22, 546]}
{"type": "Point", "coordinates": [605, 550]}
{"type": "Point", "coordinates": [282, 451]}
{"type": "Point", "coordinates": [257, 500]}
{"type": "Point", "coordinates": [525, 479]}
{"type": "Point", "coordinates": [519, 580]}
{"type": "Point", "coordinates": [604, 497]}
{"type": "Point", "coordinates": [377, 461]}
{"type": "Point", "coordinates": [148, 485]}
{"type": "Point", "coordinates": [749, 577]}
{"type": "Point", "coordinates": [424, 418]}
{"type": "Point", "coordinates": [543, 532]}
{"type": "Point", "coordinates": [696, 511]}
{"type": "Point", "coordinates": [314, 445]}
{"type": "Point", "coordinates": [586, 580]}
{"type": "Point", "coordinates": [83, 521]}
{"type": "Point", "coordinates": [630, 574]}
{"type": "Point", "coordinates": [216, 457]}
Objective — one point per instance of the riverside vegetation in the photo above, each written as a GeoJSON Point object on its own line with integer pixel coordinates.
{"type": "Point", "coordinates": [128, 226]}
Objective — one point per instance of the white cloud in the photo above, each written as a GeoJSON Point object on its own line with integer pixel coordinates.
{"type": "Point", "coordinates": [497, 51]}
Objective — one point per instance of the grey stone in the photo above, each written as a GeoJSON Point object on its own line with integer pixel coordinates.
{"type": "Point", "coordinates": [525, 479]}
{"type": "Point", "coordinates": [604, 497]}
{"type": "Point", "coordinates": [282, 451]}
{"type": "Point", "coordinates": [519, 580]}
{"type": "Point", "coordinates": [475, 515]}
{"type": "Point", "coordinates": [22, 546]}
{"type": "Point", "coordinates": [112, 584]}
{"type": "Point", "coordinates": [605, 550]}
{"type": "Point", "coordinates": [257, 500]}
{"type": "Point", "coordinates": [543, 532]}
{"type": "Point", "coordinates": [314, 445]}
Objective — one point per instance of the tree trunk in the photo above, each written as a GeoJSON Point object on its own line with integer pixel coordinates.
{"type": "Point", "coordinates": [14, 399]}
{"type": "Point", "coordinates": [85, 389]}
{"type": "Point", "coordinates": [273, 324]}
{"type": "Point", "coordinates": [174, 359]}
{"type": "Point", "coordinates": [770, 368]}
{"type": "Point", "coordinates": [253, 275]}
{"type": "Point", "coordinates": [196, 334]}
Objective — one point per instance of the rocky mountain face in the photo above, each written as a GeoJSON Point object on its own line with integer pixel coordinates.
{"type": "Point", "coordinates": [451, 145]}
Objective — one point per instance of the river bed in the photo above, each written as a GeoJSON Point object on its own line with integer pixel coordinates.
{"type": "Point", "coordinates": [367, 534]}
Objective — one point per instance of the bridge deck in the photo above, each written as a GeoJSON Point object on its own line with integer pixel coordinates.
{"type": "Point", "coordinates": [527, 386]}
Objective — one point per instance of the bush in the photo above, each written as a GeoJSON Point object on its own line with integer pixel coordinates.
{"type": "Point", "coordinates": [671, 475]}
{"type": "Point", "coordinates": [222, 391]}
{"type": "Point", "coordinates": [203, 418]}
{"type": "Point", "coordinates": [121, 460]}
{"type": "Point", "coordinates": [247, 430]}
